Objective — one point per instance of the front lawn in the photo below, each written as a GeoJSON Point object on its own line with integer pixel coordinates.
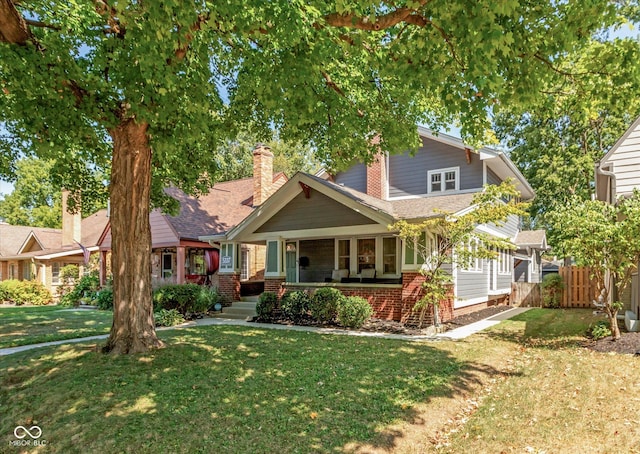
{"type": "Point", "coordinates": [524, 386]}
{"type": "Point", "coordinates": [32, 325]}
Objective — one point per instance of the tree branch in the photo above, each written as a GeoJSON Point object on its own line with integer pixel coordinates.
{"type": "Point", "coordinates": [13, 27]}
{"type": "Point", "coordinates": [392, 18]}
{"type": "Point", "coordinates": [37, 23]}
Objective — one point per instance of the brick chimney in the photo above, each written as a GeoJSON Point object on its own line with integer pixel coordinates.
{"type": "Point", "coordinates": [71, 223]}
{"type": "Point", "coordinates": [377, 177]}
{"type": "Point", "coordinates": [262, 174]}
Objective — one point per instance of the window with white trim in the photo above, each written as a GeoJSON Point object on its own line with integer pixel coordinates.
{"type": "Point", "coordinates": [504, 261]}
{"type": "Point", "coordinates": [443, 180]}
{"type": "Point", "coordinates": [55, 273]}
{"type": "Point", "coordinates": [244, 265]}
{"type": "Point", "coordinates": [475, 263]}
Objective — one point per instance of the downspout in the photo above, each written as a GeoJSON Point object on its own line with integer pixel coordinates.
{"type": "Point", "coordinates": [612, 180]}
{"type": "Point", "coordinates": [613, 294]}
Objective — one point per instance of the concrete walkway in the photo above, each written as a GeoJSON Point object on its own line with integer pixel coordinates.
{"type": "Point", "coordinates": [455, 334]}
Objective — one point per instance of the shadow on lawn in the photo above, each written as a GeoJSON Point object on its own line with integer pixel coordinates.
{"type": "Point", "coordinates": [229, 389]}
{"type": "Point", "coordinates": [546, 328]}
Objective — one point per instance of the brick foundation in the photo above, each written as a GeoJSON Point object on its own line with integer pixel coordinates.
{"type": "Point", "coordinates": [229, 287]}
{"type": "Point", "coordinates": [411, 294]}
{"type": "Point", "coordinates": [274, 285]}
{"type": "Point", "coordinates": [386, 300]}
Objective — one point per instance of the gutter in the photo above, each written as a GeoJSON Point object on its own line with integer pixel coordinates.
{"type": "Point", "coordinates": [612, 178]}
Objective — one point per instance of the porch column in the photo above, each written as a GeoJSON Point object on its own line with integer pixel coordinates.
{"type": "Point", "coordinates": [103, 268]}
{"type": "Point", "coordinates": [180, 258]}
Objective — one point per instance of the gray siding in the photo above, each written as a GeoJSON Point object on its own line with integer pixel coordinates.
{"type": "Point", "coordinates": [355, 177]}
{"type": "Point", "coordinates": [492, 178]}
{"type": "Point", "coordinates": [321, 260]}
{"type": "Point", "coordinates": [504, 280]}
{"type": "Point", "coordinates": [472, 284]}
{"type": "Point", "coordinates": [318, 211]}
{"type": "Point", "coordinates": [521, 272]}
{"type": "Point", "coordinates": [510, 228]}
{"type": "Point", "coordinates": [408, 174]}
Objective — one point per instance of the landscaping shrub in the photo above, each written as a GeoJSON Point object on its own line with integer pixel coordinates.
{"type": "Point", "coordinates": [295, 305]}
{"type": "Point", "coordinates": [104, 299]}
{"type": "Point", "coordinates": [353, 311]}
{"type": "Point", "coordinates": [24, 292]}
{"type": "Point", "coordinates": [207, 298]}
{"type": "Point", "coordinates": [86, 288]}
{"type": "Point", "coordinates": [324, 304]}
{"type": "Point", "coordinates": [267, 304]}
{"type": "Point", "coordinates": [600, 330]}
{"type": "Point", "coordinates": [182, 297]}
{"type": "Point", "coordinates": [551, 289]}
{"type": "Point", "coordinates": [170, 317]}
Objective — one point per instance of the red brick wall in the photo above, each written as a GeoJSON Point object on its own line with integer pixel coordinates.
{"type": "Point", "coordinates": [377, 177]}
{"type": "Point", "coordinates": [412, 292]}
{"type": "Point", "coordinates": [229, 287]}
{"type": "Point", "coordinates": [386, 301]}
{"type": "Point", "coordinates": [275, 285]}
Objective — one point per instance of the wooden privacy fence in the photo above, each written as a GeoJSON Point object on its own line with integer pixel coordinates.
{"type": "Point", "coordinates": [525, 294]}
{"type": "Point", "coordinates": [579, 289]}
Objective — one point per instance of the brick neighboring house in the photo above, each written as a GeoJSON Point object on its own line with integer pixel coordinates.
{"type": "Point", "coordinates": [179, 256]}
{"type": "Point", "coordinates": [321, 230]}
{"type": "Point", "coordinates": [34, 253]}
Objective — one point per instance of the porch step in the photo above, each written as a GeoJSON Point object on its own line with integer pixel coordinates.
{"type": "Point", "coordinates": [238, 310]}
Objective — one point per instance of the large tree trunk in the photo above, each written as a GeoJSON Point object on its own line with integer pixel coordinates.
{"type": "Point", "coordinates": [133, 328]}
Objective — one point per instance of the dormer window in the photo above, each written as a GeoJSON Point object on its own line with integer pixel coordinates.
{"type": "Point", "coordinates": [443, 180]}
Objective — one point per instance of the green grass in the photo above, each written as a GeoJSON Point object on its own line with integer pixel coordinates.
{"type": "Point", "coordinates": [36, 324]}
{"type": "Point", "coordinates": [223, 389]}
{"type": "Point", "coordinates": [526, 385]}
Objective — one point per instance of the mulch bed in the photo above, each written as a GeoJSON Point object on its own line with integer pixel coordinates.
{"type": "Point", "coordinates": [629, 343]}
{"type": "Point", "coordinates": [392, 327]}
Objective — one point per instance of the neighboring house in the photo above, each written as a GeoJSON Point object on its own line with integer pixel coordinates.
{"type": "Point", "coordinates": [530, 244]}
{"type": "Point", "coordinates": [617, 175]}
{"type": "Point", "coordinates": [33, 253]}
{"type": "Point", "coordinates": [178, 256]}
{"type": "Point", "coordinates": [335, 233]}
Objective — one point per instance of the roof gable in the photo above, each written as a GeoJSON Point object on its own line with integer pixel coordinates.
{"type": "Point", "coordinates": [632, 132]}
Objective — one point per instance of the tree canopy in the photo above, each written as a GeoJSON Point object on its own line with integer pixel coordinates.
{"type": "Point", "coordinates": [236, 158]}
{"type": "Point", "coordinates": [606, 238]}
{"type": "Point", "coordinates": [580, 114]}
{"type": "Point", "coordinates": [151, 90]}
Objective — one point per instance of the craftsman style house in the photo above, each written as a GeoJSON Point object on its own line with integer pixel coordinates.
{"type": "Point", "coordinates": [321, 230]}
{"type": "Point", "coordinates": [178, 256]}
{"type": "Point", "coordinates": [34, 253]}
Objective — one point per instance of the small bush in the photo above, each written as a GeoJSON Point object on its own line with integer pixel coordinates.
{"type": "Point", "coordinates": [207, 298]}
{"type": "Point", "coordinates": [182, 297]}
{"type": "Point", "coordinates": [295, 305]}
{"type": "Point", "coordinates": [24, 292]}
{"type": "Point", "coordinates": [551, 288]}
{"type": "Point", "coordinates": [324, 304]}
{"type": "Point", "coordinates": [87, 287]}
{"type": "Point", "coordinates": [267, 303]}
{"type": "Point", "coordinates": [104, 299]}
{"type": "Point", "coordinates": [353, 311]}
{"type": "Point", "coordinates": [600, 330]}
{"type": "Point", "coordinates": [170, 317]}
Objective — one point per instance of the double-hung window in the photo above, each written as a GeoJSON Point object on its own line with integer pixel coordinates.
{"type": "Point", "coordinates": [443, 180]}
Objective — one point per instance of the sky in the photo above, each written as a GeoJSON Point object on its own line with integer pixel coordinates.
{"type": "Point", "coordinates": [624, 31]}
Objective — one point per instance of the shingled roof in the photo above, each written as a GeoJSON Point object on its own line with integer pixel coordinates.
{"type": "Point", "coordinates": [218, 211]}
{"type": "Point", "coordinates": [13, 237]}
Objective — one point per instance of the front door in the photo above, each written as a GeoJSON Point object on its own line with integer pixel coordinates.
{"type": "Point", "coordinates": [291, 265]}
